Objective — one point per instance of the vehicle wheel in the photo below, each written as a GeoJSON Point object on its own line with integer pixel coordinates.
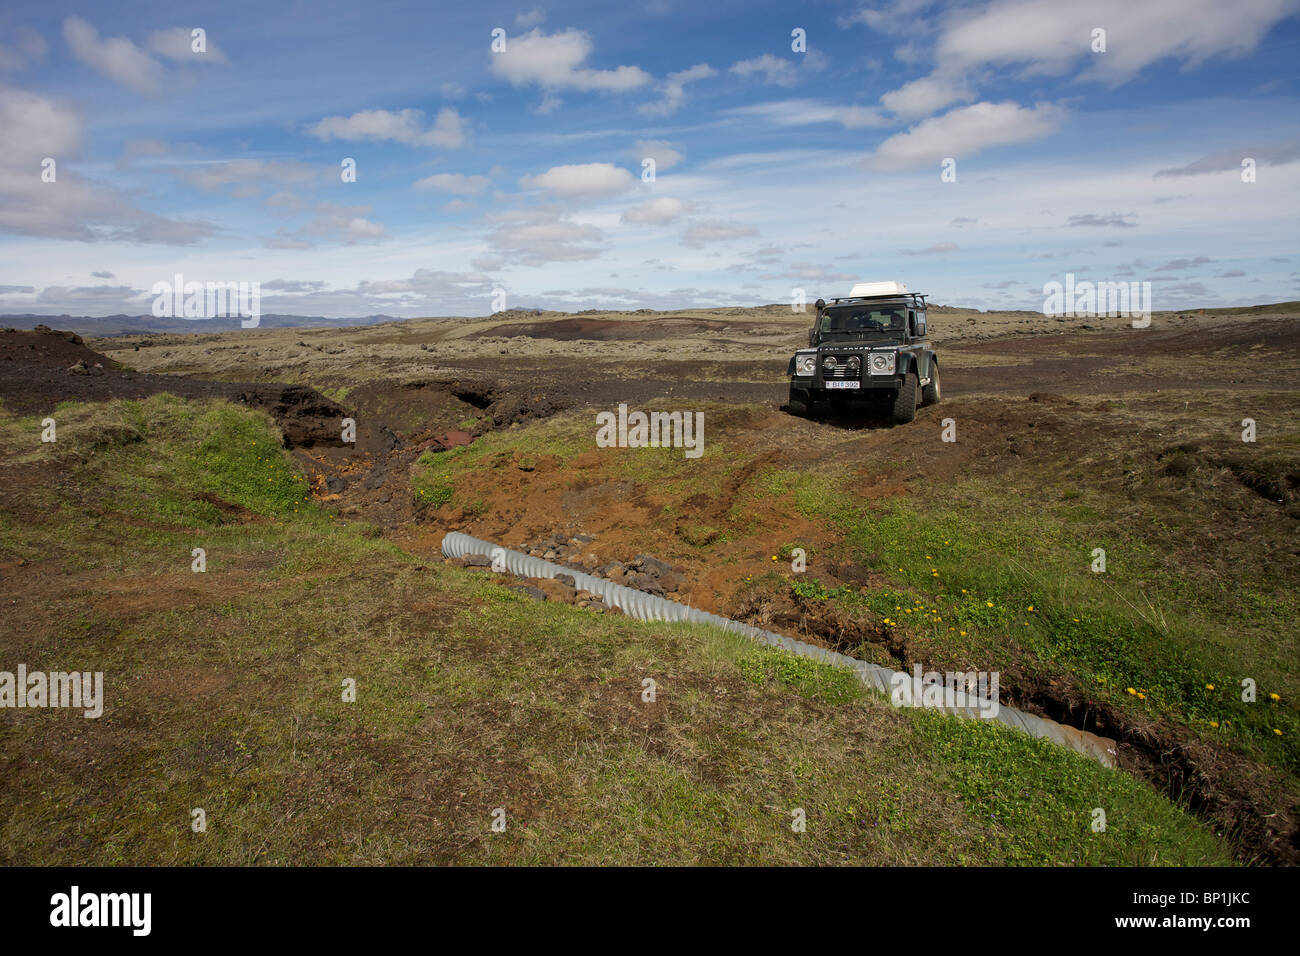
{"type": "Point", "coordinates": [800, 402]}
{"type": "Point", "coordinates": [930, 393]}
{"type": "Point", "coordinates": [905, 401]}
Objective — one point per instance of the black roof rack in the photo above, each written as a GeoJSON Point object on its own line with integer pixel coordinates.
{"type": "Point", "coordinates": [918, 298]}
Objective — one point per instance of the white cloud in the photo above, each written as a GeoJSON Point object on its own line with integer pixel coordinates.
{"type": "Point", "coordinates": [806, 112]}
{"type": "Point", "coordinates": [859, 117]}
{"type": "Point", "coordinates": [1050, 37]}
{"type": "Point", "coordinates": [773, 69]}
{"type": "Point", "coordinates": [346, 223]}
{"type": "Point", "coordinates": [781, 72]}
{"type": "Point", "coordinates": [426, 291]}
{"type": "Point", "coordinates": [404, 126]}
{"type": "Point", "coordinates": [537, 236]}
{"type": "Point", "coordinates": [549, 104]}
{"type": "Point", "coordinates": [936, 249]}
{"type": "Point", "coordinates": [812, 272]}
{"type": "Point", "coordinates": [582, 180]}
{"type": "Point", "coordinates": [1275, 154]}
{"type": "Point", "coordinates": [715, 230]}
{"type": "Point", "coordinates": [458, 184]}
{"type": "Point", "coordinates": [286, 200]}
{"type": "Point", "coordinates": [280, 242]}
{"type": "Point", "coordinates": [331, 222]}
{"type": "Point", "coordinates": [116, 57]}
{"type": "Point", "coordinates": [81, 300]}
{"type": "Point", "coordinates": [555, 62]}
{"type": "Point", "coordinates": [72, 207]}
{"type": "Point", "coordinates": [665, 154]}
{"type": "Point", "coordinates": [1118, 220]}
{"type": "Point", "coordinates": [924, 96]}
{"type": "Point", "coordinates": [895, 17]}
{"type": "Point", "coordinates": [244, 174]}
{"type": "Point", "coordinates": [178, 44]}
{"type": "Point", "coordinates": [655, 212]}
{"type": "Point", "coordinates": [293, 285]}
{"type": "Point", "coordinates": [964, 131]}
{"type": "Point", "coordinates": [36, 127]}
{"type": "Point", "coordinates": [526, 21]}
{"type": "Point", "coordinates": [673, 89]}
{"type": "Point", "coordinates": [1183, 264]}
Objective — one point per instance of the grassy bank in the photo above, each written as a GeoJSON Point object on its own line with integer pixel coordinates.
{"type": "Point", "coordinates": [224, 691]}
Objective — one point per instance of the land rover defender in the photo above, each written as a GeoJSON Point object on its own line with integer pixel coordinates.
{"type": "Point", "coordinates": [870, 347]}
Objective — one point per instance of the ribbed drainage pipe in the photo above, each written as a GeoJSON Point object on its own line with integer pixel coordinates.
{"type": "Point", "coordinates": [649, 607]}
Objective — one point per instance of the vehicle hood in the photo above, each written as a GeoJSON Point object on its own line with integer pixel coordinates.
{"type": "Point", "coordinates": [858, 345]}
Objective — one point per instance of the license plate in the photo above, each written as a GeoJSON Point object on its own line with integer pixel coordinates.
{"type": "Point", "coordinates": [843, 384]}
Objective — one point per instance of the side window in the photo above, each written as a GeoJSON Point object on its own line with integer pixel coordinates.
{"type": "Point", "coordinates": [911, 322]}
{"type": "Point", "coordinates": [920, 324]}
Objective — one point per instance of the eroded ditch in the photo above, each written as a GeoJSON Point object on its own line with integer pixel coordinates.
{"type": "Point", "coordinates": [1229, 791]}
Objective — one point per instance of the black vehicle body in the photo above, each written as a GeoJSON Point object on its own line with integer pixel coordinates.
{"type": "Point", "coordinates": [867, 348]}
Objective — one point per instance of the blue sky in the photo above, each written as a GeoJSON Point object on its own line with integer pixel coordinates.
{"type": "Point", "coordinates": [521, 169]}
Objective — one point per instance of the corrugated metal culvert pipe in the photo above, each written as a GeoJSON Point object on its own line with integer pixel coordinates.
{"type": "Point", "coordinates": [648, 607]}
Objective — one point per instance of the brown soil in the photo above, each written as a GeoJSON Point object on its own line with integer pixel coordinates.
{"type": "Point", "coordinates": [41, 368]}
{"type": "Point", "coordinates": [606, 330]}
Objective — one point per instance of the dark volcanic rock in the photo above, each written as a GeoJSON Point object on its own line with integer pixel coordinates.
{"type": "Point", "coordinates": [644, 582]}
{"type": "Point", "coordinates": [650, 565]}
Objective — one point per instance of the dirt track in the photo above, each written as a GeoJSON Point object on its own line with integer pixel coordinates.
{"type": "Point", "coordinates": [502, 381]}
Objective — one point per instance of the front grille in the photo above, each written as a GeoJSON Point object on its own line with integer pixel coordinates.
{"type": "Point", "coordinates": [841, 371]}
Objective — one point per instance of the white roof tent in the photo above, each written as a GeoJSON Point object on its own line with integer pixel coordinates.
{"type": "Point", "coordinates": [865, 290]}
{"type": "Point", "coordinates": [878, 290]}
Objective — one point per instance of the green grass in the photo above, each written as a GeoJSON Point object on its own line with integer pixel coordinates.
{"type": "Point", "coordinates": [809, 678]}
{"type": "Point", "coordinates": [224, 692]}
{"type": "Point", "coordinates": [434, 474]}
{"type": "Point", "coordinates": [1044, 810]}
{"type": "Point", "coordinates": [338, 393]}
{"type": "Point", "coordinates": [1145, 636]}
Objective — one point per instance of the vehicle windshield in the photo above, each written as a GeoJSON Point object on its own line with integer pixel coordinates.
{"type": "Point", "coordinates": [862, 320]}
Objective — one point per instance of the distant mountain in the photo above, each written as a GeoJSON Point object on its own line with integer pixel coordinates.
{"type": "Point", "coordinates": [140, 324]}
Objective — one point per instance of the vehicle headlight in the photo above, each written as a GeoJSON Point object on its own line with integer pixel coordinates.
{"type": "Point", "coordinates": [882, 363]}
{"type": "Point", "coordinates": [828, 364]}
{"type": "Point", "coordinates": [854, 363]}
{"type": "Point", "coordinates": [805, 364]}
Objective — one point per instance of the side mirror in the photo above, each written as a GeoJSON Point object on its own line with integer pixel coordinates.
{"type": "Point", "coordinates": [812, 336]}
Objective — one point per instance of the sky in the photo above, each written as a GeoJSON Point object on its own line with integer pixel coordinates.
{"type": "Point", "coordinates": [975, 151]}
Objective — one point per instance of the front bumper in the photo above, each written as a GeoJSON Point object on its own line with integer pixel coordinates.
{"type": "Point", "coordinates": [866, 383]}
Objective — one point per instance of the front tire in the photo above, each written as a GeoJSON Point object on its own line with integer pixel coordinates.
{"type": "Point", "coordinates": [904, 409]}
{"type": "Point", "coordinates": [930, 393]}
{"type": "Point", "coordinates": [800, 403]}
